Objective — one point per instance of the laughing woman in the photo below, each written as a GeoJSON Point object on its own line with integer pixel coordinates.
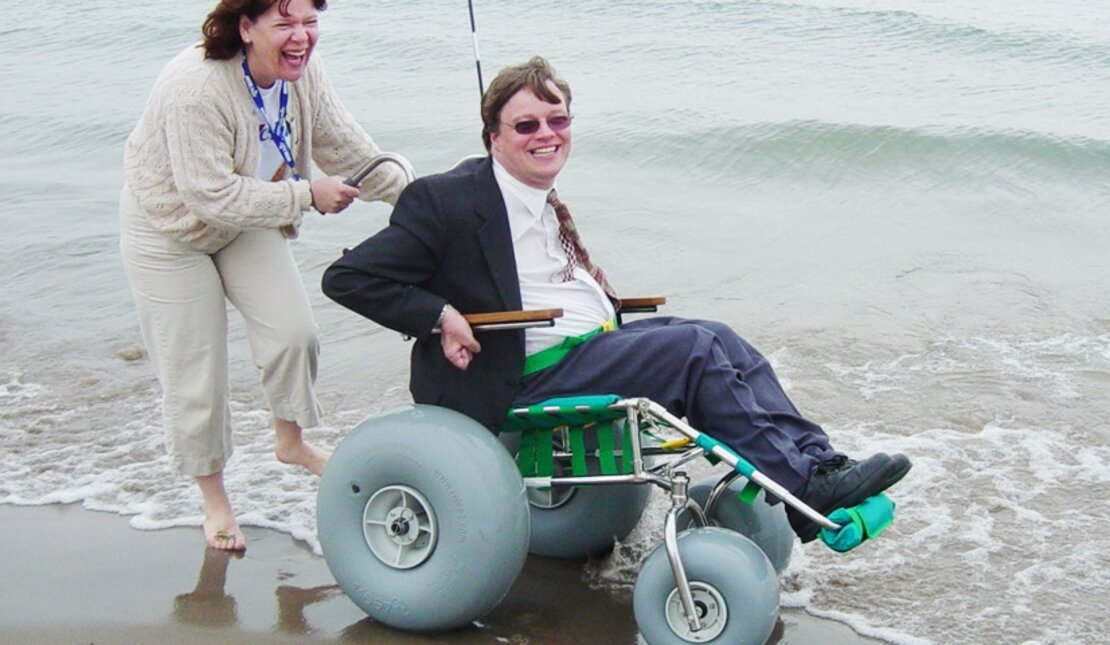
{"type": "Point", "coordinates": [216, 179]}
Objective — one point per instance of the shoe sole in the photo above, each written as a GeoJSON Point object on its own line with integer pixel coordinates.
{"type": "Point", "coordinates": [878, 483]}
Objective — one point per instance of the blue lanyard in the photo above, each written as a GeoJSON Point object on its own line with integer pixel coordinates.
{"type": "Point", "coordinates": [277, 133]}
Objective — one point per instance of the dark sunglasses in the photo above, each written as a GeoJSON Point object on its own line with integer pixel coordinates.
{"type": "Point", "coordinates": [532, 126]}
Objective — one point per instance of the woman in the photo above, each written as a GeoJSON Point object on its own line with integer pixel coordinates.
{"type": "Point", "coordinates": [216, 178]}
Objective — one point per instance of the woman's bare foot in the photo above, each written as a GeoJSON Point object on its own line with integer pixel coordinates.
{"type": "Point", "coordinates": [223, 536]}
{"type": "Point", "coordinates": [291, 448]}
{"type": "Point", "coordinates": [313, 459]}
{"type": "Point", "coordinates": [220, 529]}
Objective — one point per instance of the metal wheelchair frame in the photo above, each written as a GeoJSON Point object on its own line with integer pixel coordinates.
{"type": "Point", "coordinates": [644, 414]}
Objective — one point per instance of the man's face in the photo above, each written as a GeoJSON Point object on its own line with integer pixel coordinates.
{"type": "Point", "coordinates": [534, 159]}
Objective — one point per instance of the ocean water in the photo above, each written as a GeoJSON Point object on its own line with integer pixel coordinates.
{"type": "Point", "coordinates": [906, 205]}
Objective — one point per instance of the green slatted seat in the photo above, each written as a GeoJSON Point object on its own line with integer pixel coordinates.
{"type": "Point", "coordinates": [587, 420]}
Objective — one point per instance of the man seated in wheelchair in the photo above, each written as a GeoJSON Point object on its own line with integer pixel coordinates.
{"type": "Point", "coordinates": [491, 235]}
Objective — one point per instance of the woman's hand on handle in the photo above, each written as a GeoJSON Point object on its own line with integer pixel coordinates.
{"type": "Point", "coordinates": [331, 194]}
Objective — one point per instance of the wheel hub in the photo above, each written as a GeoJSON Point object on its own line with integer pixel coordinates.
{"type": "Point", "coordinates": [404, 526]}
{"type": "Point", "coordinates": [711, 610]}
{"type": "Point", "coordinates": [550, 497]}
{"type": "Point", "coordinates": [399, 526]}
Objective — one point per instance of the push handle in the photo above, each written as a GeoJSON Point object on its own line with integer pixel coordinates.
{"type": "Point", "coordinates": [377, 160]}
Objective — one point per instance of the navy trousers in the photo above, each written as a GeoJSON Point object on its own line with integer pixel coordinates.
{"type": "Point", "coordinates": [700, 370]}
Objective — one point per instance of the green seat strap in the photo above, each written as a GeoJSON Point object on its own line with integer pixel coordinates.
{"type": "Point", "coordinates": [749, 492]}
{"type": "Point", "coordinates": [526, 454]}
{"type": "Point", "coordinates": [546, 358]}
{"type": "Point", "coordinates": [578, 452]}
{"type": "Point", "coordinates": [605, 450]}
{"type": "Point", "coordinates": [545, 453]}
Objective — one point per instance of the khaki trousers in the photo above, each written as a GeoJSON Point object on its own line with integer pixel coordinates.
{"type": "Point", "coordinates": [181, 297]}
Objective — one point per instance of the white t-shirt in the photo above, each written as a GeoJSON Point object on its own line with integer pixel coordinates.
{"type": "Point", "coordinates": [270, 160]}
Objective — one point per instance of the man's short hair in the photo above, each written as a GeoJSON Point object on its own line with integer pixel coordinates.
{"type": "Point", "coordinates": [532, 75]}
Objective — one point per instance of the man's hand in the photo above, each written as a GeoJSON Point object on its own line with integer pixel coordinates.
{"type": "Point", "coordinates": [457, 339]}
{"type": "Point", "coordinates": [331, 195]}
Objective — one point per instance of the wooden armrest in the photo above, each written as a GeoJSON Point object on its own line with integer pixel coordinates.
{"type": "Point", "coordinates": [495, 320]}
{"type": "Point", "coordinates": [648, 302]}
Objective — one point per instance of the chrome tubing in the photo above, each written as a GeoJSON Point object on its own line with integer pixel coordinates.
{"type": "Point", "coordinates": [697, 515]}
{"type": "Point", "coordinates": [670, 543]}
{"type": "Point", "coordinates": [725, 455]}
{"type": "Point", "coordinates": [686, 457]}
{"type": "Point", "coordinates": [377, 160]}
{"type": "Point", "coordinates": [632, 419]}
{"type": "Point", "coordinates": [719, 491]}
{"type": "Point", "coordinates": [584, 480]}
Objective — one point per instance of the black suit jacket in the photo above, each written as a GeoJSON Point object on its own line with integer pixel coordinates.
{"type": "Point", "coordinates": [448, 241]}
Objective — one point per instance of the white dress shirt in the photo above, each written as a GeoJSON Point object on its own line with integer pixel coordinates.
{"type": "Point", "coordinates": [540, 264]}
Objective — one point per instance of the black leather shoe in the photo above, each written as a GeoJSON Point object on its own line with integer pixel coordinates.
{"type": "Point", "coordinates": [841, 482]}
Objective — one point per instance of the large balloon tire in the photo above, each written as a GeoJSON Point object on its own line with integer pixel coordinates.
{"type": "Point", "coordinates": [456, 505]}
{"type": "Point", "coordinates": [762, 523]}
{"type": "Point", "coordinates": [587, 520]}
{"type": "Point", "coordinates": [590, 522]}
{"type": "Point", "coordinates": [734, 586]}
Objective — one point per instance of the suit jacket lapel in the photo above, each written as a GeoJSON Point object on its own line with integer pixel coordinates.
{"type": "Point", "coordinates": [494, 235]}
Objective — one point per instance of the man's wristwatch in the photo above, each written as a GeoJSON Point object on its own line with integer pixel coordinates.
{"type": "Point", "coordinates": [442, 315]}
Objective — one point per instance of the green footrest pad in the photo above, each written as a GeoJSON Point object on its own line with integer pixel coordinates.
{"type": "Point", "coordinates": [859, 523]}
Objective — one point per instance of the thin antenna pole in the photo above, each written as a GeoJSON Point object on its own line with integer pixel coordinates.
{"type": "Point", "coordinates": [477, 59]}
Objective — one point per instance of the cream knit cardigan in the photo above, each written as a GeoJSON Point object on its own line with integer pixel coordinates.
{"type": "Point", "coordinates": [191, 161]}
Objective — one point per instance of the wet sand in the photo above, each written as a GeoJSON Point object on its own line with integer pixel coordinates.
{"type": "Point", "coordinates": [75, 576]}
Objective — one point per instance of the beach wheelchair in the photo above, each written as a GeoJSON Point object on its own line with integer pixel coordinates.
{"type": "Point", "coordinates": [425, 517]}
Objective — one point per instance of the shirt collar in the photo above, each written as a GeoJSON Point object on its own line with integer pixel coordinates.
{"type": "Point", "coordinates": [534, 199]}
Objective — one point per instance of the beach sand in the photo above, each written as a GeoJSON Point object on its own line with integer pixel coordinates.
{"type": "Point", "coordinates": [76, 576]}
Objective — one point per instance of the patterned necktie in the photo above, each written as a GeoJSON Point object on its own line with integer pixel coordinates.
{"type": "Point", "coordinates": [575, 250]}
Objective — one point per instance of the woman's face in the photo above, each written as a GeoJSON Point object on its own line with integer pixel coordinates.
{"type": "Point", "coordinates": [278, 45]}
